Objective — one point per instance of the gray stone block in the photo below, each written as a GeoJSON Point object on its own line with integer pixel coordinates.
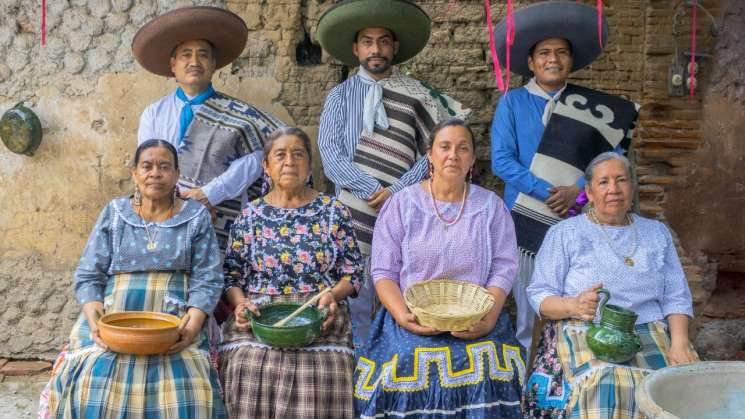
{"type": "Point", "coordinates": [121, 5]}
{"type": "Point", "coordinates": [74, 63]}
{"type": "Point", "coordinates": [99, 8]}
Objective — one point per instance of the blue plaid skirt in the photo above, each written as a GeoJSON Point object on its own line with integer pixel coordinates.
{"type": "Point", "coordinates": [568, 381]}
{"type": "Point", "coordinates": [89, 382]}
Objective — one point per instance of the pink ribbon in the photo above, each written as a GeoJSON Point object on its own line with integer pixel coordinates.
{"type": "Point", "coordinates": [43, 22]}
{"type": "Point", "coordinates": [691, 74]}
{"type": "Point", "coordinates": [600, 23]}
{"type": "Point", "coordinates": [510, 39]}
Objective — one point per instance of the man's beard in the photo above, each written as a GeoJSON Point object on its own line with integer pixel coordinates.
{"type": "Point", "coordinates": [376, 70]}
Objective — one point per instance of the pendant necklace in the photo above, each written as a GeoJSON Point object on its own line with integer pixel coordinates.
{"type": "Point", "coordinates": [628, 260]}
{"type": "Point", "coordinates": [152, 237]}
{"type": "Point", "coordinates": [447, 223]}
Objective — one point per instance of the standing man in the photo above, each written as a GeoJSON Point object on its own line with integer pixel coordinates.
{"type": "Point", "coordinates": [545, 133]}
{"type": "Point", "coordinates": [219, 138]}
{"type": "Point", "coordinates": [375, 126]}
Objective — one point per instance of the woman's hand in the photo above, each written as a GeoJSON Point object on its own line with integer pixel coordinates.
{"type": "Point", "coordinates": [487, 324]}
{"type": "Point", "coordinates": [189, 333]}
{"type": "Point", "coordinates": [93, 310]}
{"type": "Point", "coordinates": [681, 353]}
{"type": "Point", "coordinates": [409, 322]}
{"type": "Point", "coordinates": [680, 347]}
{"type": "Point", "coordinates": [478, 330]}
{"type": "Point", "coordinates": [328, 301]}
{"type": "Point", "coordinates": [390, 296]}
{"type": "Point", "coordinates": [585, 305]}
{"type": "Point", "coordinates": [242, 322]}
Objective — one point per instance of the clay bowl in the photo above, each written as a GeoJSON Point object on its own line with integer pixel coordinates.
{"type": "Point", "coordinates": [298, 332]}
{"type": "Point", "coordinates": [140, 332]}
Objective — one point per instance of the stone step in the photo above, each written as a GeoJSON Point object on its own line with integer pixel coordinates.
{"type": "Point", "coordinates": [15, 368]}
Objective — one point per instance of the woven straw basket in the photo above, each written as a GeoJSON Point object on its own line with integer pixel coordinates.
{"type": "Point", "coordinates": [447, 304]}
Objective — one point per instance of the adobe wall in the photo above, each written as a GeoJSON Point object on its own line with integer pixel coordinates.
{"type": "Point", "coordinates": [89, 94]}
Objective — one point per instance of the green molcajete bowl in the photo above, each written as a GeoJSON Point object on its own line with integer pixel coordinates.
{"type": "Point", "coordinates": [612, 339]}
{"type": "Point", "coordinates": [298, 332]}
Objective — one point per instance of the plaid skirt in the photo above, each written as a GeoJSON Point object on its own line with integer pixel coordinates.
{"type": "Point", "coordinates": [569, 382]}
{"type": "Point", "coordinates": [89, 382]}
{"type": "Point", "coordinates": [261, 381]}
{"type": "Point", "coordinates": [401, 374]}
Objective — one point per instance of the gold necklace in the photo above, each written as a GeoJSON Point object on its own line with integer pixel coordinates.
{"type": "Point", "coordinates": [628, 260]}
{"type": "Point", "coordinates": [447, 223]}
{"type": "Point", "coordinates": [151, 238]}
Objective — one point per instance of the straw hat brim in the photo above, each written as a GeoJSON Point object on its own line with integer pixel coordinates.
{"type": "Point", "coordinates": [575, 22]}
{"type": "Point", "coordinates": [153, 44]}
{"type": "Point", "coordinates": [338, 26]}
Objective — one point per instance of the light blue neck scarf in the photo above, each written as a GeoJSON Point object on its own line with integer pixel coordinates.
{"type": "Point", "coordinates": [374, 112]}
{"type": "Point", "coordinates": [187, 115]}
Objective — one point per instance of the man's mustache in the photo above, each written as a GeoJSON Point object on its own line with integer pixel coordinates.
{"type": "Point", "coordinates": [380, 57]}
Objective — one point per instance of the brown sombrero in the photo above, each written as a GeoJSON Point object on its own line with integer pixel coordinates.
{"type": "Point", "coordinates": [153, 43]}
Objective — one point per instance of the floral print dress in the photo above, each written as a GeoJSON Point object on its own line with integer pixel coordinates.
{"type": "Point", "coordinates": [288, 255]}
{"type": "Point", "coordinates": [282, 251]}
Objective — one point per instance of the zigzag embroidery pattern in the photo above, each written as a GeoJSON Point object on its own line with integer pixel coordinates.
{"type": "Point", "coordinates": [423, 357]}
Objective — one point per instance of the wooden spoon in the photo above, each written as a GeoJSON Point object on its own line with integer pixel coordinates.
{"type": "Point", "coordinates": [294, 314]}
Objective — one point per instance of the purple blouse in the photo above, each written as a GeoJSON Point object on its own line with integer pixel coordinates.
{"type": "Point", "coordinates": [410, 244]}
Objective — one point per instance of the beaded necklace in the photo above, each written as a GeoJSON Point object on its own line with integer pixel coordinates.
{"type": "Point", "coordinates": [447, 223]}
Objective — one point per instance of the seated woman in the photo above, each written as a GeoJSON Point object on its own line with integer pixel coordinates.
{"type": "Point", "coordinates": [635, 259]}
{"type": "Point", "coordinates": [288, 246]}
{"type": "Point", "coordinates": [151, 252]}
{"type": "Point", "coordinates": [443, 227]}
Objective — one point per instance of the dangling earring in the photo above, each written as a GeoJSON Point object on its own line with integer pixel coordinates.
{"type": "Point", "coordinates": [470, 175]}
{"type": "Point", "coordinates": [269, 181]}
{"type": "Point", "coordinates": [431, 169]}
{"type": "Point", "coordinates": [175, 194]}
{"type": "Point", "coordinates": [138, 196]}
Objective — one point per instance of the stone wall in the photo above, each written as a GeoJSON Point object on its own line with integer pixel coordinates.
{"type": "Point", "coordinates": [89, 93]}
{"type": "Point", "coordinates": [713, 178]}
{"type": "Point", "coordinates": [705, 202]}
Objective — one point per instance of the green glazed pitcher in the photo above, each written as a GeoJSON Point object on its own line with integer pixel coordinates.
{"type": "Point", "coordinates": [612, 339]}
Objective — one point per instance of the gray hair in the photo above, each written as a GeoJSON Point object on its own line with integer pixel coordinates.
{"type": "Point", "coordinates": [281, 132]}
{"type": "Point", "coordinates": [602, 158]}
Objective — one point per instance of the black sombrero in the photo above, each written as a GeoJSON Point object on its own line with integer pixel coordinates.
{"type": "Point", "coordinates": [575, 22]}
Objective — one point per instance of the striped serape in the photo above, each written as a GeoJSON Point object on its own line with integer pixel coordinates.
{"type": "Point", "coordinates": [223, 130]}
{"type": "Point", "coordinates": [583, 124]}
{"type": "Point", "coordinates": [413, 109]}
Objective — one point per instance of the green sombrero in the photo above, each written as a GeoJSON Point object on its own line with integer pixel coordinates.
{"type": "Point", "coordinates": [339, 24]}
